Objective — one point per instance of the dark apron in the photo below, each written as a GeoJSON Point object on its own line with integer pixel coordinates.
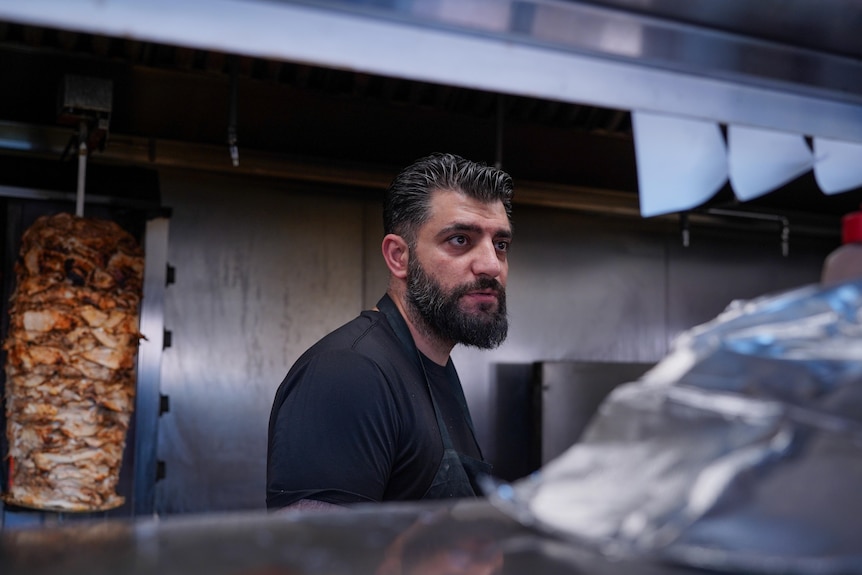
{"type": "Point", "coordinates": [458, 474]}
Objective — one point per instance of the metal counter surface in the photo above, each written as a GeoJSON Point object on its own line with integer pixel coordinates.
{"type": "Point", "coordinates": [469, 537]}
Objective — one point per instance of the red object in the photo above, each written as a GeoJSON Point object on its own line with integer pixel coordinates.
{"type": "Point", "coordinates": [844, 263]}
{"type": "Point", "coordinates": [851, 228]}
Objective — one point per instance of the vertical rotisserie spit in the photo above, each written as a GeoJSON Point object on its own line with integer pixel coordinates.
{"type": "Point", "coordinates": [70, 367]}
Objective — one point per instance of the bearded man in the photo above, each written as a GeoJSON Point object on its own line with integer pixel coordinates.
{"type": "Point", "coordinates": [375, 411]}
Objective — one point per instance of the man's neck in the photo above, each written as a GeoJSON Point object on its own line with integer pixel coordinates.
{"type": "Point", "coordinates": [431, 346]}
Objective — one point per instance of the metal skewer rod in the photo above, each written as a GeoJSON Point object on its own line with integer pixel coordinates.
{"type": "Point", "coordinates": [82, 171]}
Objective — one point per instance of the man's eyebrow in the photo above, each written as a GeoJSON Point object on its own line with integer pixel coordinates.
{"type": "Point", "coordinates": [462, 227]}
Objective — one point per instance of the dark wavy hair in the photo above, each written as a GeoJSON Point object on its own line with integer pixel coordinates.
{"type": "Point", "coordinates": [407, 201]}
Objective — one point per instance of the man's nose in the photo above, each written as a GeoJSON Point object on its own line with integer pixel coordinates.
{"type": "Point", "coordinates": [487, 260]}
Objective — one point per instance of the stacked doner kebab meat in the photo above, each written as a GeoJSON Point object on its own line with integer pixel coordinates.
{"type": "Point", "coordinates": [70, 367]}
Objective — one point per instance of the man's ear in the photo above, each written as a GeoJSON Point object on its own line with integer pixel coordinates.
{"type": "Point", "coordinates": [396, 254]}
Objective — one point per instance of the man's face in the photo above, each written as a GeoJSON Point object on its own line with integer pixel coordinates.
{"type": "Point", "coordinates": [456, 280]}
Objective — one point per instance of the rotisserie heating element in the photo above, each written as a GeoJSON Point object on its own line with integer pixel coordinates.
{"type": "Point", "coordinates": [70, 368]}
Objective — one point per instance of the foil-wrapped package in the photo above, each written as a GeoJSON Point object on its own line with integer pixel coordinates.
{"type": "Point", "coordinates": [740, 451]}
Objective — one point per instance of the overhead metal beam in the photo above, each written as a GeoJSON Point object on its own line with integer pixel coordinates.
{"type": "Point", "coordinates": [49, 142]}
{"type": "Point", "coordinates": [559, 51]}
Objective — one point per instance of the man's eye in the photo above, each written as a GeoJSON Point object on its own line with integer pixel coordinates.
{"type": "Point", "coordinates": [503, 246]}
{"type": "Point", "coordinates": [458, 240]}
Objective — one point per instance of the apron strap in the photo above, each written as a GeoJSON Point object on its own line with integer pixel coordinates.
{"type": "Point", "coordinates": [399, 326]}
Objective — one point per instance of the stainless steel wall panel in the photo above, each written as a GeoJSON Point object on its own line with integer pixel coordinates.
{"type": "Point", "coordinates": [376, 274]}
{"type": "Point", "coordinates": [147, 400]}
{"type": "Point", "coordinates": [260, 276]}
{"type": "Point", "coordinates": [263, 272]}
{"type": "Point", "coordinates": [720, 266]}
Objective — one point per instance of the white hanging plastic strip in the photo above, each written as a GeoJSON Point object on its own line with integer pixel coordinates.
{"type": "Point", "coordinates": [838, 165]}
{"type": "Point", "coordinates": [681, 162]}
{"type": "Point", "coordinates": [761, 161]}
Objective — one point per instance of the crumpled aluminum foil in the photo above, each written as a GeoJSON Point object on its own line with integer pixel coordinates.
{"type": "Point", "coordinates": [740, 451]}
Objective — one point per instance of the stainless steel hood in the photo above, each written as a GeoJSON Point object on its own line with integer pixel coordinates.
{"type": "Point", "coordinates": [788, 65]}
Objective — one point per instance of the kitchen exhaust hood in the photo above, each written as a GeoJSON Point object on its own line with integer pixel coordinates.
{"type": "Point", "coordinates": [696, 61]}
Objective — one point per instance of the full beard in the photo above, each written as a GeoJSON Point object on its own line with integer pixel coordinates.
{"type": "Point", "coordinates": [439, 312]}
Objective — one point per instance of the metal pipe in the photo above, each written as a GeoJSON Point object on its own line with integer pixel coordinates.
{"type": "Point", "coordinates": [231, 128]}
{"type": "Point", "coordinates": [783, 222]}
{"type": "Point", "coordinates": [684, 229]}
{"type": "Point", "coordinates": [82, 171]}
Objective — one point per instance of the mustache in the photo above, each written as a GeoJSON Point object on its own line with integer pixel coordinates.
{"type": "Point", "coordinates": [483, 283]}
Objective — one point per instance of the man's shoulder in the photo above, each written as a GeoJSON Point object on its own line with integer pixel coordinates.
{"type": "Point", "coordinates": [364, 350]}
{"type": "Point", "coordinates": [367, 330]}
{"type": "Point", "coordinates": [369, 335]}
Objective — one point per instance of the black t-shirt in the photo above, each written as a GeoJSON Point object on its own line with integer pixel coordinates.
{"type": "Point", "coordinates": [353, 420]}
{"type": "Point", "coordinates": [454, 415]}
